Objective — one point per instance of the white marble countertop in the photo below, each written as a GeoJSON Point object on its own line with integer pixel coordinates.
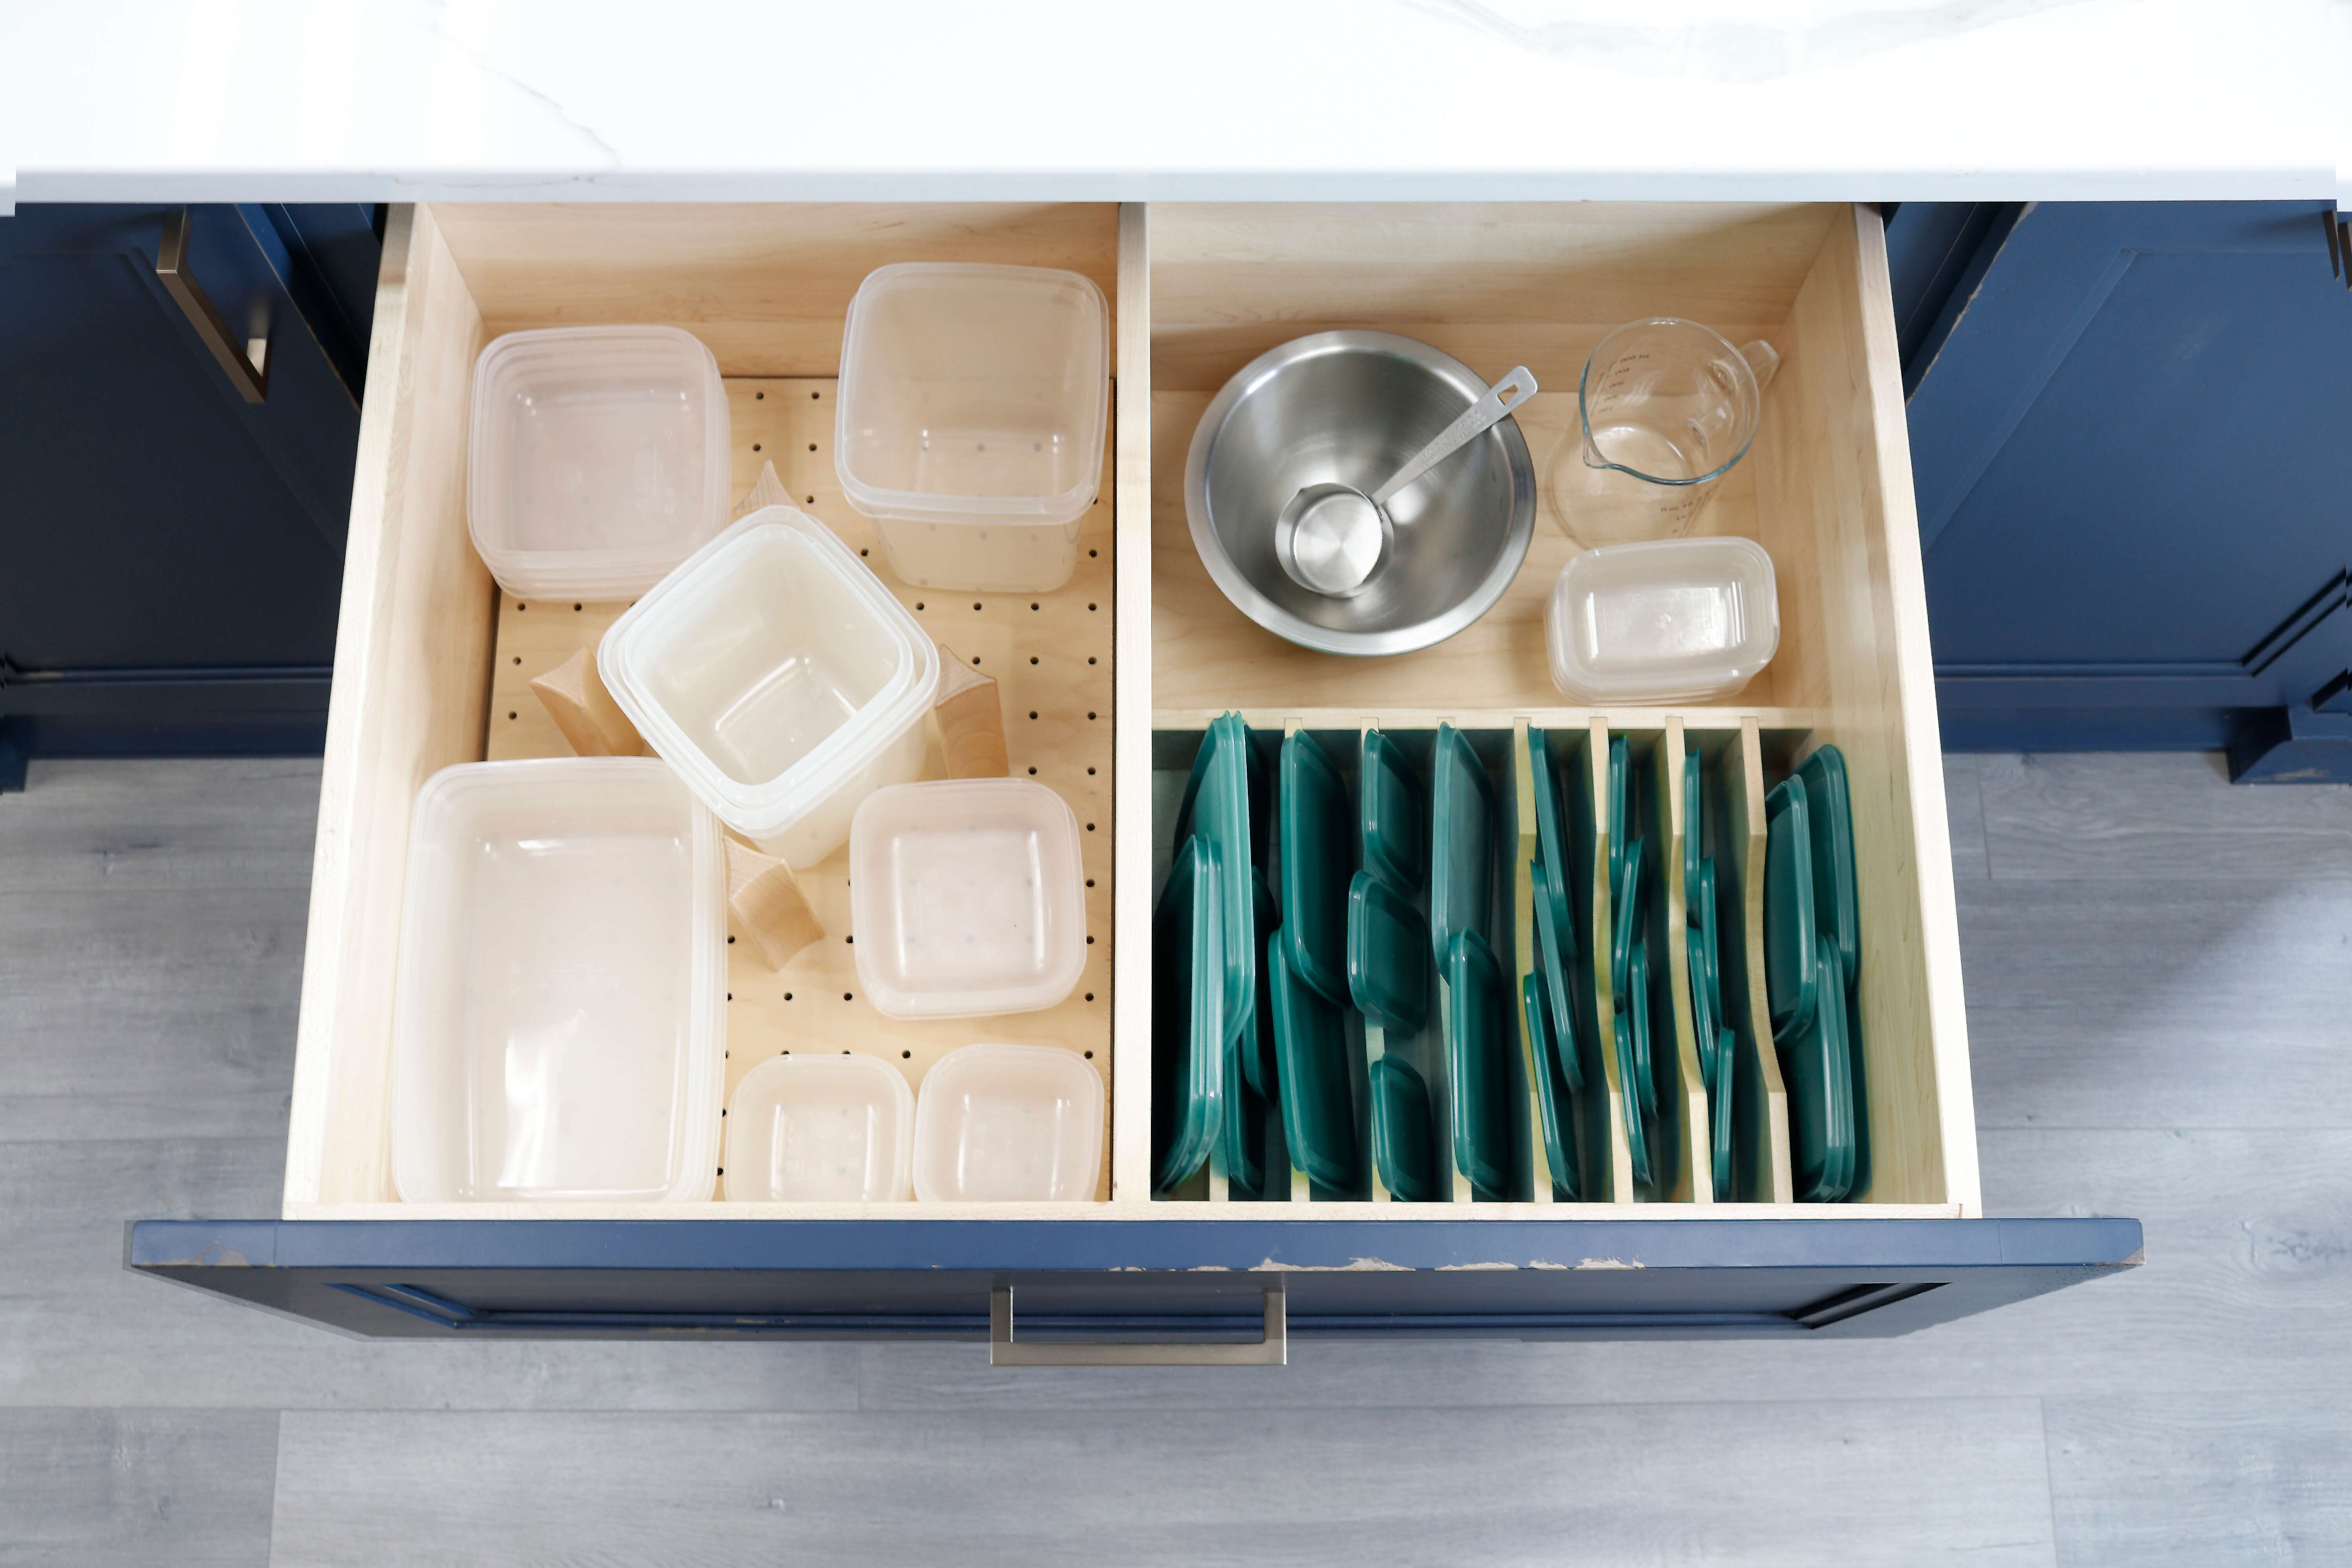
{"type": "Point", "coordinates": [1886, 100]}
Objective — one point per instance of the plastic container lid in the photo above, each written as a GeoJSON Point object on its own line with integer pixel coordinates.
{"type": "Point", "coordinates": [1009, 1123]}
{"type": "Point", "coordinates": [1551, 963]}
{"type": "Point", "coordinates": [558, 1030]}
{"type": "Point", "coordinates": [1551, 840]}
{"type": "Point", "coordinates": [598, 458]}
{"type": "Point", "coordinates": [1461, 841]}
{"type": "Point", "coordinates": [1478, 1036]}
{"type": "Point", "coordinates": [1314, 866]}
{"type": "Point", "coordinates": [1215, 810]}
{"type": "Point", "coordinates": [773, 669]}
{"type": "Point", "coordinates": [1388, 978]}
{"type": "Point", "coordinates": [1253, 1047]}
{"type": "Point", "coordinates": [815, 1127]}
{"type": "Point", "coordinates": [1665, 620]}
{"type": "Point", "coordinates": [1318, 1118]}
{"type": "Point", "coordinates": [973, 394]}
{"type": "Point", "coordinates": [1403, 1132]}
{"type": "Point", "coordinates": [1790, 973]}
{"type": "Point", "coordinates": [967, 897]}
{"type": "Point", "coordinates": [1829, 804]}
{"type": "Point", "coordinates": [1559, 1134]}
{"type": "Point", "coordinates": [1187, 1021]}
{"type": "Point", "coordinates": [1391, 833]}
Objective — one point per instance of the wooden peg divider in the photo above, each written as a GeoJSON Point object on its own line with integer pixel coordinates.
{"type": "Point", "coordinates": [584, 711]}
{"type": "Point", "coordinates": [767, 902]}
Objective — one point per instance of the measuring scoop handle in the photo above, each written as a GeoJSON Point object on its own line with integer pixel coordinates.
{"type": "Point", "coordinates": [1501, 398]}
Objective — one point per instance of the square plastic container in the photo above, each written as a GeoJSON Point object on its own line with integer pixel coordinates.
{"type": "Point", "coordinates": [1009, 1123]}
{"type": "Point", "coordinates": [815, 1127]}
{"type": "Point", "coordinates": [558, 1030]}
{"type": "Point", "coordinates": [967, 897]}
{"type": "Point", "coordinates": [779, 678]}
{"type": "Point", "coordinates": [598, 458]}
{"type": "Point", "coordinates": [970, 419]}
{"type": "Point", "coordinates": [1670, 620]}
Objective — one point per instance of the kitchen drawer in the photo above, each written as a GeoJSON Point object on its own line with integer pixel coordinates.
{"type": "Point", "coordinates": [432, 664]}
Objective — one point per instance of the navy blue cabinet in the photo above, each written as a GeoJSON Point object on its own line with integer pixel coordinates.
{"type": "Point", "coordinates": [179, 453]}
{"type": "Point", "coordinates": [2129, 438]}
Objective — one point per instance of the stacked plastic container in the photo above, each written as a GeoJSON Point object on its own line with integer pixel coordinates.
{"type": "Point", "coordinates": [971, 420]}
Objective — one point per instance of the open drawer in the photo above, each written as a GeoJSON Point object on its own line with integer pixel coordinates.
{"type": "Point", "coordinates": [1103, 682]}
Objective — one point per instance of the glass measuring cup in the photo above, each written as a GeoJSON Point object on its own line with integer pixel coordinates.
{"type": "Point", "coordinates": [1667, 408]}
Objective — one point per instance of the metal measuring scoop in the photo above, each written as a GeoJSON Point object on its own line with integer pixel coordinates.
{"type": "Point", "coordinates": [1333, 537]}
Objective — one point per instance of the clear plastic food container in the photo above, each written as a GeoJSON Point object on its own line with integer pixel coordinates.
{"type": "Point", "coordinates": [970, 419]}
{"type": "Point", "coordinates": [558, 1028]}
{"type": "Point", "coordinates": [1671, 620]}
{"type": "Point", "coordinates": [598, 459]}
{"type": "Point", "coordinates": [779, 678]}
{"type": "Point", "coordinates": [1009, 1123]}
{"type": "Point", "coordinates": [967, 898]}
{"type": "Point", "coordinates": [818, 1127]}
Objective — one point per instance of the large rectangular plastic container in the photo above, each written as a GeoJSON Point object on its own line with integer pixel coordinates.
{"type": "Point", "coordinates": [970, 419]}
{"type": "Point", "coordinates": [598, 458]}
{"type": "Point", "coordinates": [558, 1031]}
{"type": "Point", "coordinates": [781, 679]}
{"type": "Point", "coordinates": [1668, 620]}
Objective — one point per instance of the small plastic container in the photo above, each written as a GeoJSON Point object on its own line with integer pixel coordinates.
{"type": "Point", "coordinates": [558, 1028]}
{"type": "Point", "coordinates": [1009, 1123]}
{"type": "Point", "coordinates": [970, 419]}
{"type": "Point", "coordinates": [598, 458]}
{"type": "Point", "coordinates": [779, 678]}
{"type": "Point", "coordinates": [813, 1128]}
{"type": "Point", "coordinates": [967, 897]}
{"type": "Point", "coordinates": [1670, 620]}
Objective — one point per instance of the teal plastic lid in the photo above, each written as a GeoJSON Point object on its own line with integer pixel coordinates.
{"type": "Point", "coordinates": [1626, 889]}
{"type": "Point", "coordinates": [1703, 1024]}
{"type": "Point", "coordinates": [1694, 827]}
{"type": "Point", "coordinates": [1477, 1039]}
{"type": "Point", "coordinates": [1790, 951]}
{"type": "Point", "coordinates": [1621, 813]}
{"type": "Point", "coordinates": [1830, 804]}
{"type": "Point", "coordinates": [1392, 834]}
{"type": "Point", "coordinates": [1215, 810]}
{"type": "Point", "coordinates": [1318, 1116]}
{"type": "Point", "coordinates": [1388, 976]}
{"type": "Point", "coordinates": [1254, 1044]}
{"type": "Point", "coordinates": [1726, 1052]}
{"type": "Point", "coordinates": [1558, 1132]}
{"type": "Point", "coordinates": [1840, 1054]}
{"type": "Point", "coordinates": [1461, 841]}
{"type": "Point", "coordinates": [1403, 1132]}
{"type": "Point", "coordinates": [1188, 1030]}
{"type": "Point", "coordinates": [1637, 1141]}
{"type": "Point", "coordinates": [1312, 808]}
{"type": "Point", "coordinates": [1820, 1105]}
{"type": "Point", "coordinates": [1637, 1008]}
{"type": "Point", "coordinates": [1551, 844]}
{"type": "Point", "coordinates": [1241, 1134]}
{"type": "Point", "coordinates": [1562, 1021]}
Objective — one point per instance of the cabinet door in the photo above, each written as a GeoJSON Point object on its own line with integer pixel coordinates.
{"type": "Point", "coordinates": [175, 549]}
{"type": "Point", "coordinates": [2133, 476]}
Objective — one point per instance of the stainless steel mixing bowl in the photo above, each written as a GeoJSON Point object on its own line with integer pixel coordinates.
{"type": "Point", "coordinates": [1351, 408]}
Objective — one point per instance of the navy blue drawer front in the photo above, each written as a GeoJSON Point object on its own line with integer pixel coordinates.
{"type": "Point", "coordinates": [1109, 1280]}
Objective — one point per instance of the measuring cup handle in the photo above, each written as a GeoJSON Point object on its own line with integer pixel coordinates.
{"type": "Point", "coordinates": [1502, 397]}
{"type": "Point", "coordinates": [1764, 360]}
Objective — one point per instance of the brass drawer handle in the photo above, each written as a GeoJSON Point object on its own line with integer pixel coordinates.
{"type": "Point", "coordinates": [1003, 1350]}
{"type": "Point", "coordinates": [247, 366]}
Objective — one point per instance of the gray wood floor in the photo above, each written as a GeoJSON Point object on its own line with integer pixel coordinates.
{"type": "Point", "coordinates": [2160, 1005]}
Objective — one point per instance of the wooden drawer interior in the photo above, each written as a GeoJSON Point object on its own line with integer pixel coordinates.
{"type": "Point", "coordinates": [425, 663]}
{"type": "Point", "coordinates": [1826, 490]}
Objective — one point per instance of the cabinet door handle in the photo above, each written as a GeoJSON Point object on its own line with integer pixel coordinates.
{"type": "Point", "coordinates": [247, 366]}
{"type": "Point", "coordinates": [1003, 1350]}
